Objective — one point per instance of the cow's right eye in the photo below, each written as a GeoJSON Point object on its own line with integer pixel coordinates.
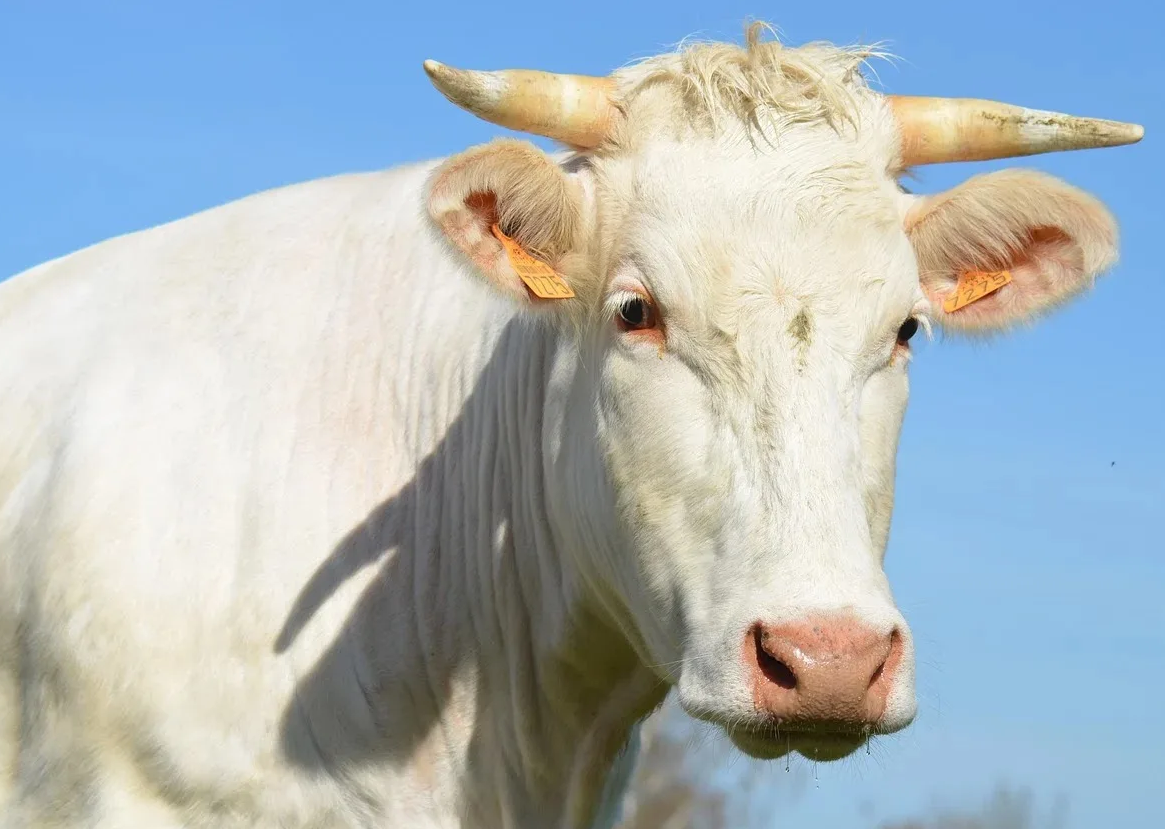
{"type": "Point", "coordinates": [637, 314]}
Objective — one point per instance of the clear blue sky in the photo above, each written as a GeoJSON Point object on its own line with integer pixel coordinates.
{"type": "Point", "coordinates": [1032, 568]}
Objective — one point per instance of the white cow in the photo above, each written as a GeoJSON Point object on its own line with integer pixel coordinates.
{"type": "Point", "coordinates": [313, 514]}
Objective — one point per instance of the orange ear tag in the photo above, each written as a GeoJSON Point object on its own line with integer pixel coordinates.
{"type": "Point", "coordinates": [539, 277]}
{"type": "Point", "coordinates": [973, 286]}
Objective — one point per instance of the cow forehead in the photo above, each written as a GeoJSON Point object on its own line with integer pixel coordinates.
{"type": "Point", "coordinates": [720, 225]}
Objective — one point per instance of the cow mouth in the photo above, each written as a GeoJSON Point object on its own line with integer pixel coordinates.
{"type": "Point", "coordinates": [824, 745]}
{"type": "Point", "coordinates": [763, 738]}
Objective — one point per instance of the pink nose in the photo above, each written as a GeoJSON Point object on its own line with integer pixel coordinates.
{"type": "Point", "coordinates": [824, 671]}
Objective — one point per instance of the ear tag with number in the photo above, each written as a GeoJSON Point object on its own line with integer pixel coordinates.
{"type": "Point", "coordinates": [539, 277]}
{"type": "Point", "coordinates": [973, 286]}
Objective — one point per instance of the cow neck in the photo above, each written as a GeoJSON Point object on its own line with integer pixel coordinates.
{"type": "Point", "coordinates": [535, 692]}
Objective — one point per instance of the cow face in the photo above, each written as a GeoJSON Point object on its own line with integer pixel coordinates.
{"type": "Point", "coordinates": [732, 378]}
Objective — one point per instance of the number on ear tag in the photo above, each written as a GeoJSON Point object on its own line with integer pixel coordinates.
{"type": "Point", "coordinates": [539, 277]}
{"type": "Point", "coordinates": [973, 286]}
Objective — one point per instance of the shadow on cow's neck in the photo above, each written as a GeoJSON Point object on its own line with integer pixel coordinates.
{"type": "Point", "coordinates": [473, 653]}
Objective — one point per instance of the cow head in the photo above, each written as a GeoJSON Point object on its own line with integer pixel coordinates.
{"type": "Point", "coordinates": [748, 276]}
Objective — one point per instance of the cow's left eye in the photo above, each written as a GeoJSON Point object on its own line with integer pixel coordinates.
{"type": "Point", "coordinates": [908, 330]}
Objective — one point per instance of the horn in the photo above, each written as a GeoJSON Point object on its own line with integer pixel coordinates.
{"type": "Point", "coordinates": [575, 109]}
{"type": "Point", "coordinates": [937, 130]}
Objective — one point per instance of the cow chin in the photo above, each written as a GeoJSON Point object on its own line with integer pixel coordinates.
{"type": "Point", "coordinates": [771, 744]}
{"type": "Point", "coordinates": [761, 738]}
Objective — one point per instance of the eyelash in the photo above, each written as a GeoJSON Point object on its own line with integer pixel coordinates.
{"type": "Point", "coordinates": [912, 324]}
{"type": "Point", "coordinates": [633, 312]}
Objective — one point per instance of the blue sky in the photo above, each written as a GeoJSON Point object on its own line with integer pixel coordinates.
{"type": "Point", "coordinates": [1031, 567]}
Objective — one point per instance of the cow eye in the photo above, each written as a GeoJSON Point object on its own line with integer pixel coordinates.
{"type": "Point", "coordinates": [636, 314]}
{"type": "Point", "coordinates": [908, 330]}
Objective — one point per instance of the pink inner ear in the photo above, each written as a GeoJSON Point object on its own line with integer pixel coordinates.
{"type": "Point", "coordinates": [483, 248]}
{"type": "Point", "coordinates": [1050, 268]}
{"type": "Point", "coordinates": [484, 205]}
{"type": "Point", "coordinates": [1045, 270]}
{"type": "Point", "coordinates": [469, 229]}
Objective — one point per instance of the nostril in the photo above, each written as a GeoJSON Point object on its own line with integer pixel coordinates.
{"type": "Point", "coordinates": [891, 656]}
{"type": "Point", "coordinates": [775, 671]}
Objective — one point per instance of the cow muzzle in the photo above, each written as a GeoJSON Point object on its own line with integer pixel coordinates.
{"type": "Point", "coordinates": [823, 685]}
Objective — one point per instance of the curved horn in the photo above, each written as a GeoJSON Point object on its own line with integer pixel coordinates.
{"type": "Point", "coordinates": [937, 130]}
{"type": "Point", "coordinates": [575, 109]}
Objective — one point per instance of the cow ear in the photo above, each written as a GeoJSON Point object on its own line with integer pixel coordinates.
{"type": "Point", "coordinates": [1042, 239]}
{"type": "Point", "coordinates": [514, 189]}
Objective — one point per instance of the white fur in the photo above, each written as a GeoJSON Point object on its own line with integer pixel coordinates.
{"type": "Point", "coordinates": [303, 524]}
